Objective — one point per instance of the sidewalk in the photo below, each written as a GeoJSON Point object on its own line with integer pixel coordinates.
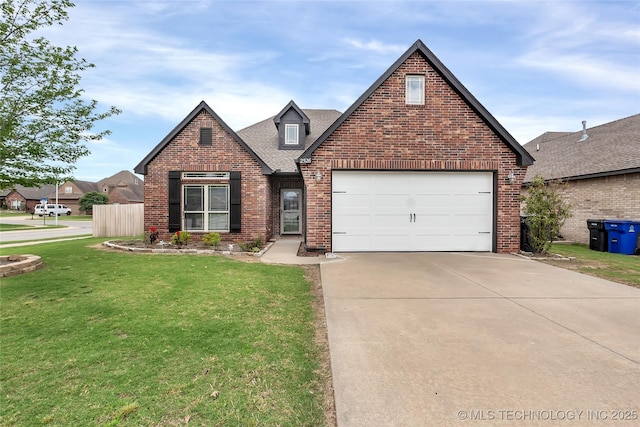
{"type": "Point", "coordinates": [285, 250]}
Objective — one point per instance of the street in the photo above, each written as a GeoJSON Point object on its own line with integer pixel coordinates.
{"type": "Point", "coordinates": [72, 228]}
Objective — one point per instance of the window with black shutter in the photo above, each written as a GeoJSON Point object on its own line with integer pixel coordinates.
{"type": "Point", "coordinates": [174, 201]}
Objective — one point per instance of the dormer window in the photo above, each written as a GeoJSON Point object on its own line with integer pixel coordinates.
{"type": "Point", "coordinates": [293, 127]}
{"type": "Point", "coordinates": [414, 90]}
{"type": "Point", "coordinates": [291, 135]}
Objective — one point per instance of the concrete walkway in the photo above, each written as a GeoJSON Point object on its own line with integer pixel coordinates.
{"type": "Point", "coordinates": [285, 250]}
{"type": "Point", "coordinates": [448, 339]}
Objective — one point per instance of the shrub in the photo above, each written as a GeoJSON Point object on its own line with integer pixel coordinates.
{"type": "Point", "coordinates": [180, 238]}
{"type": "Point", "coordinates": [547, 213]}
{"type": "Point", "coordinates": [212, 239]}
{"type": "Point", "coordinates": [252, 246]}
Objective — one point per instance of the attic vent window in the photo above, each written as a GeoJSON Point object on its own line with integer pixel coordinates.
{"type": "Point", "coordinates": [414, 90]}
{"type": "Point", "coordinates": [205, 136]}
{"type": "Point", "coordinates": [291, 135]}
{"type": "Point", "coordinates": [206, 175]}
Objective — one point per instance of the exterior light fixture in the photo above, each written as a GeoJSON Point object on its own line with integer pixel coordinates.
{"type": "Point", "coordinates": [511, 178]}
{"type": "Point", "coordinates": [318, 176]}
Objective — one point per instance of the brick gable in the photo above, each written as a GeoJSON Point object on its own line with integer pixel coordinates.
{"type": "Point", "coordinates": [383, 133]}
{"type": "Point", "coordinates": [184, 153]}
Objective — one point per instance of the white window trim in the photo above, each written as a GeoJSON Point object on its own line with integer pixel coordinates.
{"type": "Point", "coordinates": [411, 98]}
{"type": "Point", "coordinates": [287, 141]}
{"type": "Point", "coordinates": [201, 176]}
{"type": "Point", "coordinates": [205, 204]}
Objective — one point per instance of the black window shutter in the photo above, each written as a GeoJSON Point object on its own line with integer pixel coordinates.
{"type": "Point", "coordinates": [174, 201]}
{"type": "Point", "coordinates": [206, 136]}
{"type": "Point", "coordinates": [235, 197]}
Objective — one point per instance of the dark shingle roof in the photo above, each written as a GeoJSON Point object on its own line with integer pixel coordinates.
{"type": "Point", "coordinates": [86, 186]}
{"type": "Point", "coordinates": [263, 139]}
{"type": "Point", "coordinates": [33, 193]}
{"type": "Point", "coordinates": [610, 149]}
{"type": "Point", "coordinates": [130, 186]}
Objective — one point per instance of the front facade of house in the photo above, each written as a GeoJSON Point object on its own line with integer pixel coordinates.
{"type": "Point", "coordinates": [415, 164]}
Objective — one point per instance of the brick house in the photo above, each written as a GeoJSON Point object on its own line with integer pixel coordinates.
{"type": "Point", "coordinates": [415, 164]}
{"type": "Point", "coordinates": [25, 198]}
{"type": "Point", "coordinates": [122, 188]}
{"type": "Point", "coordinates": [601, 172]}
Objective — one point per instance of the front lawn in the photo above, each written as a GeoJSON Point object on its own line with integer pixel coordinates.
{"type": "Point", "coordinates": [14, 227]}
{"type": "Point", "coordinates": [615, 267]}
{"type": "Point", "coordinates": [102, 337]}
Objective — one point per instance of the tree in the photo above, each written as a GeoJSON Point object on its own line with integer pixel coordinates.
{"type": "Point", "coordinates": [92, 198]}
{"type": "Point", "coordinates": [44, 120]}
{"type": "Point", "coordinates": [546, 212]}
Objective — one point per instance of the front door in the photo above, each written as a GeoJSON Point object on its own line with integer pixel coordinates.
{"type": "Point", "coordinates": [290, 211]}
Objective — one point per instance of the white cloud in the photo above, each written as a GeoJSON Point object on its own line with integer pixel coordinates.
{"type": "Point", "coordinates": [376, 46]}
{"type": "Point", "coordinates": [574, 42]}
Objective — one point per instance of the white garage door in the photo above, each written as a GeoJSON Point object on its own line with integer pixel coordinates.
{"type": "Point", "coordinates": [412, 211]}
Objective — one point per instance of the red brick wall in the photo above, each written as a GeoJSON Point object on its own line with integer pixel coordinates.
{"type": "Point", "coordinates": [116, 196]}
{"type": "Point", "coordinates": [14, 195]}
{"type": "Point", "coordinates": [184, 154]}
{"type": "Point", "coordinates": [386, 134]}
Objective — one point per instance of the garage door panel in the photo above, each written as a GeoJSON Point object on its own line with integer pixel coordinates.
{"type": "Point", "coordinates": [412, 211]}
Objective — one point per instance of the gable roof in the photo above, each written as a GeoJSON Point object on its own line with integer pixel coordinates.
{"type": "Point", "coordinates": [141, 168]}
{"type": "Point", "coordinates": [289, 106]}
{"type": "Point", "coordinates": [86, 186]}
{"type": "Point", "coordinates": [611, 149]}
{"type": "Point", "coordinates": [130, 186]}
{"type": "Point", "coordinates": [523, 157]}
{"type": "Point", "coordinates": [32, 193]}
{"type": "Point", "coordinates": [262, 137]}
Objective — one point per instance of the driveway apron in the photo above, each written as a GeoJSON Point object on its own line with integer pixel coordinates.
{"type": "Point", "coordinates": [435, 339]}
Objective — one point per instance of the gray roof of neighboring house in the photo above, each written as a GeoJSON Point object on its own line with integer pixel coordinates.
{"type": "Point", "coordinates": [262, 137]}
{"type": "Point", "coordinates": [86, 186]}
{"type": "Point", "coordinates": [32, 193]}
{"type": "Point", "coordinates": [130, 186]}
{"type": "Point", "coordinates": [611, 149]}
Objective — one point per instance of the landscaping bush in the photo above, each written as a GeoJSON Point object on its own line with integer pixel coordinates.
{"type": "Point", "coordinates": [547, 212]}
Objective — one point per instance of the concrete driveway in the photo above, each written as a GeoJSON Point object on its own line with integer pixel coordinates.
{"type": "Point", "coordinates": [434, 339]}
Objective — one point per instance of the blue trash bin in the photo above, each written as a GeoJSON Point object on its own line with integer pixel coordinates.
{"type": "Point", "coordinates": [623, 236]}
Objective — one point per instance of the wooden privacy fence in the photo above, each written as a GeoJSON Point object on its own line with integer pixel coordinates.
{"type": "Point", "coordinates": [118, 220]}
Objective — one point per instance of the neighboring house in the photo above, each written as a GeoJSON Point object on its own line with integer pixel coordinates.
{"type": "Point", "coordinates": [601, 169]}
{"type": "Point", "coordinates": [123, 188]}
{"type": "Point", "coordinates": [25, 198]}
{"type": "Point", "coordinates": [415, 164]}
{"type": "Point", "coordinates": [70, 193]}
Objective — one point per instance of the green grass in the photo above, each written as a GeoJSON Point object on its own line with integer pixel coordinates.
{"type": "Point", "coordinates": [616, 267]}
{"type": "Point", "coordinates": [13, 227]}
{"type": "Point", "coordinates": [112, 338]}
{"type": "Point", "coordinates": [18, 227]}
{"type": "Point", "coordinates": [13, 214]}
{"type": "Point", "coordinates": [10, 214]}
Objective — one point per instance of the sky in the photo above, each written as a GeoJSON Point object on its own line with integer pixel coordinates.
{"type": "Point", "coordinates": [536, 66]}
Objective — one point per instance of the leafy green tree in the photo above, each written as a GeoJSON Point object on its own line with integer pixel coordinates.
{"type": "Point", "coordinates": [546, 210]}
{"type": "Point", "coordinates": [92, 198]}
{"type": "Point", "coordinates": [44, 120]}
